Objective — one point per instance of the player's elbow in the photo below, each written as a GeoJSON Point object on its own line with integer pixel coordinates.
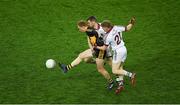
{"type": "Point", "coordinates": [127, 29]}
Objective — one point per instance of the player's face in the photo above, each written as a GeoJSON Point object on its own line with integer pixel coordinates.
{"type": "Point", "coordinates": [82, 29]}
{"type": "Point", "coordinates": [105, 29]}
{"type": "Point", "coordinates": [91, 23]}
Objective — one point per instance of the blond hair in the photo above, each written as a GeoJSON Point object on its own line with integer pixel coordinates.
{"type": "Point", "coordinates": [82, 23]}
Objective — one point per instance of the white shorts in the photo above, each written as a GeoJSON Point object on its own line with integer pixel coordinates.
{"type": "Point", "coordinates": [119, 55]}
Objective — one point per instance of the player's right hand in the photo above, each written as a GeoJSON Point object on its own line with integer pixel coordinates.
{"type": "Point", "coordinates": [94, 48]}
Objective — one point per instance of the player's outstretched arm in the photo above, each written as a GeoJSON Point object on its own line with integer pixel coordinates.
{"type": "Point", "coordinates": [131, 23]}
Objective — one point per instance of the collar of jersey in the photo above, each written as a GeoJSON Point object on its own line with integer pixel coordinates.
{"type": "Point", "coordinates": [109, 30]}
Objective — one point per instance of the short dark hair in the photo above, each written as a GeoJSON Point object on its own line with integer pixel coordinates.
{"type": "Point", "coordinates": [107, 23]}
{"type": "Point", "coordinates": [92, 18]}
{"type": "Point", "coordinates": [82, 23]}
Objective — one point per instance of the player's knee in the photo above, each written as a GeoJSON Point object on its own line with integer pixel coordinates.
{"type": "Point", "coordinates": [81, 55]}
{"type": "Point", "coordinates": [114, 71]}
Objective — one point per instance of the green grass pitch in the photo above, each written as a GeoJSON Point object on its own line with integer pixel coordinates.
{"type": "Point", "coordinates": [32, 31]}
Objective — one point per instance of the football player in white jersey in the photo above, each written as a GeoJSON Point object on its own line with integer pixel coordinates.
{"type": "Point", "coordinates": [93, 23]}
{"type": "Point", "coordinates": [114, 39]}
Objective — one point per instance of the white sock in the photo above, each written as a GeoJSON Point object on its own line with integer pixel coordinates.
{"type": "Point", "coordinates": [119, 78]}
{"type": "Point", "coordinates": [126, 73]}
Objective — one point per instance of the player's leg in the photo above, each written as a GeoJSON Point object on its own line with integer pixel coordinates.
{"type": "Point", "coordinates": [103, 71]}
{"type": "Point", "coordinates": [85, 55]}
{"type": "Point", "coordinates": [118, 59]}
{"type": "Point", "coordinates": [109, 61]}
{"type": "Point", "coordinates": [118, 70]}
{"type": "Point", "coordinates": [119, 78]}
{"type": "Point", "coordinates": [132, 77]}
{"type": "Point", "coordinates": [100, 56]}
{"type": "Point", "coordinates": [90, 60]}
{"type": "Point", "coordinates": [116, 63]}
{"type": "Point", "coordinates": [121, 71]}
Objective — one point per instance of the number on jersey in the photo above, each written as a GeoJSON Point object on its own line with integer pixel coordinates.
{"type": "Point", "coordinates": [118, 38]}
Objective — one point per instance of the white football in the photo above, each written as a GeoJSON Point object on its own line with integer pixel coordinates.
{"type": "Point", "coordinates": [50, 63]}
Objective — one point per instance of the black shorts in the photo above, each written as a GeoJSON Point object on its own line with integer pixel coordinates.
{"type": "Point", "coordinates": [101, 54]}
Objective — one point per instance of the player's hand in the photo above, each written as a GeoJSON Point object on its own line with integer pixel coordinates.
{"type": "Point", "coordinates": [95, 47]}
{"type": "Point", "coordinates": [132, 21]}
